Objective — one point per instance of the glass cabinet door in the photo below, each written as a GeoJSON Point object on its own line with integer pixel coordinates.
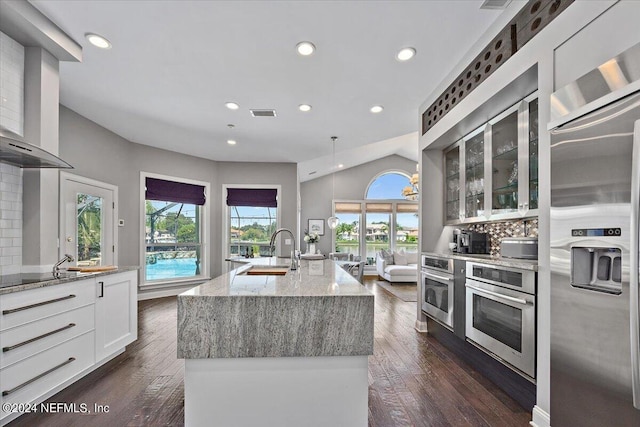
{"type": "Point", "coordinates": [452, 184]}
{"type": "Point", "coordinates": [504, 161]}
{"type": "Point", "coordinates": [533, 154]}
{"type": "Point", "coordinates": [474, 176]}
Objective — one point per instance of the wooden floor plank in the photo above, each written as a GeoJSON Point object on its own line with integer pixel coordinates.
{"type": "Point", "coordinates": [413, 379]}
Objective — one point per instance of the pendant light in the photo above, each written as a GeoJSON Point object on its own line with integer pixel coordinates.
{"type": "Point", "coordinates": [333, 221]}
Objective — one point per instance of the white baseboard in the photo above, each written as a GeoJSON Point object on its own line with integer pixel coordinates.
{"type": "Point", "coordinates": [540, 418]}
{"type": "Point", "coordinates": [159, 293]}
{"type": "Point", "coordinates": [420, 326]}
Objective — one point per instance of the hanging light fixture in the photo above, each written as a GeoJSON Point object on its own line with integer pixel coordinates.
{"type": "Point", "coordinates": [333, 221]}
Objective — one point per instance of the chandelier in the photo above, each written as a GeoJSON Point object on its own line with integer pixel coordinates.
{"type": "Point", "coordinates": [411, 192]}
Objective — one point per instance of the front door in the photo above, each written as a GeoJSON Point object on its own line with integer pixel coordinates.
{"type": "Point", "coordinates": [87, 212]}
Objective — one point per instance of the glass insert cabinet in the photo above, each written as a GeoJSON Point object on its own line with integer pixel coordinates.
{"type": "Point", "coordinates": [492, 173]}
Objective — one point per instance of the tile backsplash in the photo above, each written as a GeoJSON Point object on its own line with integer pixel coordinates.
{"type": "Point", "coordinates": [10, 219]}
{"type": "Point", "coordinates": [512, 228]}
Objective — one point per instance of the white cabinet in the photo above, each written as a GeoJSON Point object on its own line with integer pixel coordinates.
{"type": "Point", "coordinates": [54, 335]}
{"type": "Point", "coordinates": [116, 313]}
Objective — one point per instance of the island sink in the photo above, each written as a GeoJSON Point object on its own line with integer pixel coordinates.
{"type": "Point", "coordinates": [266, 270]}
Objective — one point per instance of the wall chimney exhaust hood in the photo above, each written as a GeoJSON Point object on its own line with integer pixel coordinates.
{"type": "Point", "coordinates": [16, 152]}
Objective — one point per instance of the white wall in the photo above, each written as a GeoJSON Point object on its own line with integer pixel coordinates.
{"type": "Point", "coordinates": [351, 184]}
{"type": "Point", "coordinates": [546, 52]}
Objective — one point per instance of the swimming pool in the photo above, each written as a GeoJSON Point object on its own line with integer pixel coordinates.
{"type": "Point", "coordinates": [171, 268]}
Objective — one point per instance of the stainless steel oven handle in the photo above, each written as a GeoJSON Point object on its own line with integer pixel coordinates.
{"type": "Point", "coordinates": [497, 295]}
{"type": "Point", "coordinates": [438, 277]}
{"type": "Point", "coordinates": [634, 282]}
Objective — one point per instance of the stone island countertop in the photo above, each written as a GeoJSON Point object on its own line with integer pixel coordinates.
{"type": "Point", "coordinates": [317, 310]}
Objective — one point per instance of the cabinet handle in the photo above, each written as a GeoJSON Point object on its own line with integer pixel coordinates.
{"type": "Point", "coordinates": [38, 304]}
{"type": "Point", "coordinates": [37, 377]}
{"type": "Point", "coordinates": [101, 289]}
{"type": "Point", "coordinates": [64, 328]}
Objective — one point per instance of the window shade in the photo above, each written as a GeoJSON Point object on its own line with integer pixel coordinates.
{"type": "Point", "coordinates": [261, 197]}
{"type": "Point", "coordinates": [379, 207]}
{"type": "Point", "coordinates": [348, 207]}
{"type": "Point", "coordinates": [406, 207]}
{"type": "Point", "coordinates": [171, 191]}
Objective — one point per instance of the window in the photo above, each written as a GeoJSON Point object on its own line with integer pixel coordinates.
{"type": "Point", "coordinates": [174, 229]}
{"type": "Point", "coordinates": [348, 230]}
{"type": "Point", "coordinates": [387, 186]}
{"type": "Point", "coordinates": [252, 218]}
{"type": "Point", "coordinates": [391, 222]}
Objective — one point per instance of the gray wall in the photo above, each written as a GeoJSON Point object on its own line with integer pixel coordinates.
{"type": "Point", "coordinates": [100, 154]}
{"type": "Point", "coordinates": [351, 184]}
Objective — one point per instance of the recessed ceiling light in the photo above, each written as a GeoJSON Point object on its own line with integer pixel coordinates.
{"type": "Point", "coordinates": [98, 41]}
{"type": "Point", "coordinates": [305, 48]}
{"type": "Point", "coordinates": [231, 141]}
{"type": "Point", "coordinates": [304, 107]}
{"type": "Point", "coordinates": [231, 105]}
{"type": "Point", "coordinates": [406, 54]}
{"type": "Point", "coordinates": [340, 166]}
{"type": "Point", "coordinates": [377, 108]}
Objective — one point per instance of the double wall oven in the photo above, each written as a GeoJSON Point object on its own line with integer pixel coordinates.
{"type": "Point", "coordinates": [437, 288]}
{"type": "Point", "coordinates": [501, 313]}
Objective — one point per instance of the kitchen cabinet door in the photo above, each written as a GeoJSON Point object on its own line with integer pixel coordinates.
{"type": "Point", "coordinates": [116, 312]}
{"type": "Point", "coordinates": [504, 143]}
{"type": "Point", "coordinates": [474, 175]}
{"type": "Point", "coordinates": [452, 190]}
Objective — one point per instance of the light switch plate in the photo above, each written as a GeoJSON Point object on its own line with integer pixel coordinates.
{"type": "Point", "coordinates": [287, 241]}
{"type": "Point", "coordinates": [121, 223]}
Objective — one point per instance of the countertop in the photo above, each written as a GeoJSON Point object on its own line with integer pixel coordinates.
{"type": "Point", "coordinates": [522, 264]}
{"type": "Point", "coordinates": [317, 310]}
{"type": "Point", "coordinates": [41, 280]}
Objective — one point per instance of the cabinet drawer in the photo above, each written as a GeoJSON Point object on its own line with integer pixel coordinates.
{"type": "Point", "coordinates": [26, 340]}
{"type": "Point", "coordinates": [26, 306]}
{"type": "Point", "coordinates": [31, 378]}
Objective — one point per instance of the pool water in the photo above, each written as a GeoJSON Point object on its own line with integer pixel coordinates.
{"type": "Point", "coordinates": [171, 268]}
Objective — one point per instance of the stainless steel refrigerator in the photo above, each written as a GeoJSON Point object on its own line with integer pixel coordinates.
{"type": "Point", "coordinates": [595, 192]}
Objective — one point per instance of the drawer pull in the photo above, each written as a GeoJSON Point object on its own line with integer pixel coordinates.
{"type": "Point", "coordinates": [38, 304]}
{"type": "Point", "coordinates": [64, 328]}
{"type": "Point", "coordinates": [26, 383]}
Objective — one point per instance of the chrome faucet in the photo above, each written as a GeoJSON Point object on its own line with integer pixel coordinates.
{"type": "Point", "coordinates": [294, 261]}
{"type": "Point", "coordinates": [56, 267]}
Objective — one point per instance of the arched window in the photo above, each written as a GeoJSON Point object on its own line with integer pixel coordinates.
{"type": "Point", "coordinates": [387, 185]}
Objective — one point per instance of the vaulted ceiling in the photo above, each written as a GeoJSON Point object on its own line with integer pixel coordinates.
{"type": "Point", "coordinates": [174, 64]}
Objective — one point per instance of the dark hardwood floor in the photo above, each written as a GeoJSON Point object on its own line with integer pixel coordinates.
{"type": "Point", "coordinates": [413, 379]}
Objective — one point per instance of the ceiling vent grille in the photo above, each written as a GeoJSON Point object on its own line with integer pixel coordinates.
{"type": "Point", "coordinates": [495, 4]}
{"type": "Point", "coordinates": [263, 113]}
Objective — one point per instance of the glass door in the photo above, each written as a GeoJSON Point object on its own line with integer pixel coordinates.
{"type": "Point", "coordinates": [504, 161]}
{"type": "Point", "coordinates": [86, 221]}
{"type": "Point", "coordinates": [474, 175]}
{"type": "Point", "coordinates": [533, 154]}
{"type": "Point", "coordinates": [452, 184]}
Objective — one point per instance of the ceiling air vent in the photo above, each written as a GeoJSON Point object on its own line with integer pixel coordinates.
{"type": "Point", "coordinates": [495, 4]}
{"type": "Point", "coordinates": [263, 113]}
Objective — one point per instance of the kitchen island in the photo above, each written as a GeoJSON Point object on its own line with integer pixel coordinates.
{"type": "Point", "coordinates": [284, 350]}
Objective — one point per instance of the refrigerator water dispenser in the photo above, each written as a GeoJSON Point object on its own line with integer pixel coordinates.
{"type": "Point", "coordinates": [597, 269]}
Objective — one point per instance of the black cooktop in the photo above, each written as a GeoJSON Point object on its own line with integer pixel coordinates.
{"type": "Point", "coordinates": [26, 278]}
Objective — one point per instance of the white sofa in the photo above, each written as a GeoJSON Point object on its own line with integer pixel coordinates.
{"type": "Point", "coordinates": [395, 273]}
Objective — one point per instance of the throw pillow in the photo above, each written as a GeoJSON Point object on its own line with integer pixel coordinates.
{"type": "Point", "coordinates": [387, 256]}
{"type": "Point", "coordinates": [399, 258]}
{"type": "Point", "coordinates": [412, 257]}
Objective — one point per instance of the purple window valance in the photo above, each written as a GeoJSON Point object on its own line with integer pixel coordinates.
{"type": "Point", "coordinates": [262, 197]}
{"type": "Point", "coordinates": [171, 191]}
